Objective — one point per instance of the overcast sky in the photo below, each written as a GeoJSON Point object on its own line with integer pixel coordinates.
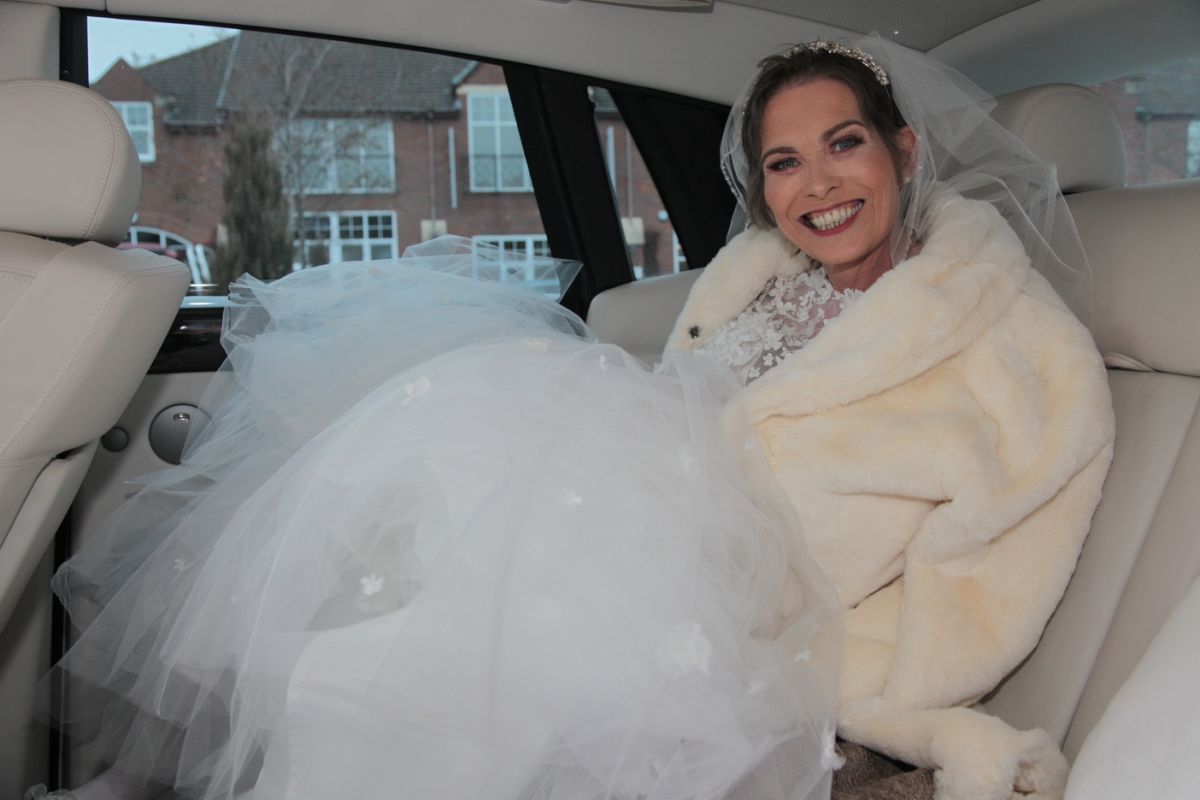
{"type": "Point", "coordinates": [141, 42]}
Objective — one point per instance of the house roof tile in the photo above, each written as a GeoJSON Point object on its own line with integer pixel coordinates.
{"type": "Point", "coordinates": [299, 75]}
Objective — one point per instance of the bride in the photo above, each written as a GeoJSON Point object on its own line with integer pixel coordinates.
{"type": "Point", "coordinates": [438, 542]}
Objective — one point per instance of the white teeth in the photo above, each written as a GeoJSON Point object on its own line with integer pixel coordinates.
{"type": "Point", "coordinates": [834, 218]}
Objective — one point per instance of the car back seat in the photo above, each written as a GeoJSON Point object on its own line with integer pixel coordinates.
{"type": "Point", "coordinates": [1143, 551]}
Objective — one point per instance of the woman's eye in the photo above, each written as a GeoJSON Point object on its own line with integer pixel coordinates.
{"type": "Point", "coordinates": [846, 143]}
{"type": "Point", "coordinates": [783, 164]}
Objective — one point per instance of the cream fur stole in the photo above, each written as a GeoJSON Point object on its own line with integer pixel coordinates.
{"type": "Point", "coordinates": [944, 442]}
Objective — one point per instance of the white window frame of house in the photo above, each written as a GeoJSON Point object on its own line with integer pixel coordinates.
{"type": "Point", "coordinates": [678, 259]}
{"type": "Point", "coordinates": [1192, 167]}
{"type": "Point", "coordinates": [518, 270]}
{"type": "Point", "coordinates": [197, 258]}
{"type": "Point", "coordinates": [145, 234]}
{"type": "Point", "coordinates": [492, 129]}
{"type": "Point", "coordinates": [327, 153]}
{"type": "Point", "coordinates": [336, 244]}
{"type": "Point", "coordinates": [126, 108]}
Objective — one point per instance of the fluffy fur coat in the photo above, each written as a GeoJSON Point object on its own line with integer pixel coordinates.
{"type": "Point", "coordinates": [944, 442]}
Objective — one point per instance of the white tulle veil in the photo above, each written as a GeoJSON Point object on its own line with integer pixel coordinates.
{"type": "Point", "coordinates": [960, 147]}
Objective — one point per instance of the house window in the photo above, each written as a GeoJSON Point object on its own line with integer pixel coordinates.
{"type": "Point", "coordinates": [355, 154]}
{"type": "Point", "coordinates": [169, 244]}
{"type": "Point", "coordinates": [338, 156]}
{"type": "Point", "coordinates": [678, 259]}
{"type": "Point", "coordinates": [349, 236]}
{"type": "Point", "coordinates": [139, 121]}
{"type": "Point", "coordinates": [1193, 149]}
{"type": "Point", "coordinates": [497, 160]}
{"type": "Point", "coordinates": [649, 236]}
{"type": "Point", "coordinates": [516, 261]}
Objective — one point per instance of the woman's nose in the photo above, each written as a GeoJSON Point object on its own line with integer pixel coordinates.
{"type": "Point", "coordinates": [821, 177]}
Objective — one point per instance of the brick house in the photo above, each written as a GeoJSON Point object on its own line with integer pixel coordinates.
{"type": "Point", "coordinates": [379, 147]}
{"type": "Point", "coordinates": [1159, 114]}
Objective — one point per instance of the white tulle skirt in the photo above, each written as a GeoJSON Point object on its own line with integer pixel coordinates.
{"type": "Point", "coordinates": [437, 542]}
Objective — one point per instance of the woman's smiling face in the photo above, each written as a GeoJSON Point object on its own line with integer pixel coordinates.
{"type": "Point", "coordinates": [830, 181]}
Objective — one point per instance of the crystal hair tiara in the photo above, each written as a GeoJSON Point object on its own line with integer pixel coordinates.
{"type": "Point", "coordinates": [822, 46]}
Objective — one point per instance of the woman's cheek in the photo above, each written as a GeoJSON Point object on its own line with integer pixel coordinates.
{"type": "Point", "coordinates": [774, 192]}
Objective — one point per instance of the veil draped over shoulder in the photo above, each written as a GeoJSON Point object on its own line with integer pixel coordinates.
{"type": "Point", "coordinates": [439, 542]}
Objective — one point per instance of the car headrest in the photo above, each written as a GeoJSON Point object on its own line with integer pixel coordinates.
{"type": "Point", "coordinates": [1071, 127]}
{"type": "Point", "coordinates": [70, 168]}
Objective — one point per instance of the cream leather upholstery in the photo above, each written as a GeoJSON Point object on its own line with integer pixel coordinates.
{"type": "Point", "coordinates": [1148, 284]}
{"type": "Point", "coordinates": [639, 316]}
{"type": "Point", "coordinates": [1143, 552]}
{"type": "Point", "coordinates": [79, 323]}
{"type": "Point", "coordinates": [1144, 744]}
{"type": "Point", "coordinates": [1141, 555]}
{"type": "Point", "coordinates": [68, 152]}
{"type": "Point", "coordinates": [1040, 116]}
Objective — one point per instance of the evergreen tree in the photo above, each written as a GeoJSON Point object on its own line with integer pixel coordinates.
{"type": "Point", "coordinates": [256, 236]}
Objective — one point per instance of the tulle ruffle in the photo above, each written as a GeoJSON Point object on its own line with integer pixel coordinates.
{"type": "Point", "coordinates": [439, 543]}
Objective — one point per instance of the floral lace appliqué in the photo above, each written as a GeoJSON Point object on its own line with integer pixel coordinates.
{"type": "Point", "coordinates": [685, 649]}
{"type": "Point", "coordinates": [415, 390]}
{"type": "Point", "coordinates": [786, 315]}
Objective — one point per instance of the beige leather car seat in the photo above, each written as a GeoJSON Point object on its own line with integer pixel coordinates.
{"type": "Point", "coordinates": [80, 321]}
{"type": "Point", "coordinates": [1142, 553]}
{"type": "Point", "coordinates": [1145, 743]}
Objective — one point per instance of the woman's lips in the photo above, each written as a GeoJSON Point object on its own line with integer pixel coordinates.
{"type": "Point", "coordinates": [833, 220]}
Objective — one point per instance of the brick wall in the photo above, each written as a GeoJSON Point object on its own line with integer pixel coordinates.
{"type": "Point", "coordinates": [1155, 146]}
{"type": "Point", "coordinates": [181, 188]}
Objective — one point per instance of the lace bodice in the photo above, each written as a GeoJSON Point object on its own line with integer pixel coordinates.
{"type": "Point", "coordinates": [785, 316]}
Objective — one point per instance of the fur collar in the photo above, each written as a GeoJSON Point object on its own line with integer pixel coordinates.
{"type": "Point", "coordinates": [922, 312]}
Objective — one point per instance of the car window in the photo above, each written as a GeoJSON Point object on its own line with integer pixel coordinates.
{"type": "Point", "coordinates": [1158, 110]}
{"type": "Point", "coordinates": [267, 153]}
{"type": "Point", "coordinates": [649, 236]}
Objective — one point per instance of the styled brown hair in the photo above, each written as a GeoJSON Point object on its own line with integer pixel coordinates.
{"type": "Point", "coordinates": [793, 68]}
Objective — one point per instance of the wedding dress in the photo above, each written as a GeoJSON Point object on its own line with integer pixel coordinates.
{"type": "Point", "coordinates": [438, 542]}
{"type": "Point", "coordinates": [787, 314]}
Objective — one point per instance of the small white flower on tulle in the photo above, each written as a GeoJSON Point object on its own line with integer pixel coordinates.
{"type": "Point", "coordinates": [415, 389]}
{"type": "Point", "coordinates": [829, 756]}
{"type": "Point", "coordinates": [541, 345]}
{"type": "Point", "coordinates": [684, 650]}
{"type": "Point", "coordinates": [603, 363]}
{"type": "Point", "coordinates": [372, 584]}
{"type": "Point", "coordinates": [572, 499]}
{"type": "Point", "coordinates": [179, 565]}
{"type": "Point", "coordinates": [756, 688]}
{"type": "Point", "coordinates": [803, 655]}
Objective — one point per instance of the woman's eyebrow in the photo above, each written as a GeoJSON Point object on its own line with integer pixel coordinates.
{"type": "Point", "coordinates": [829, 134]}
{"type": "Point", "coordinates": [825, 137]}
